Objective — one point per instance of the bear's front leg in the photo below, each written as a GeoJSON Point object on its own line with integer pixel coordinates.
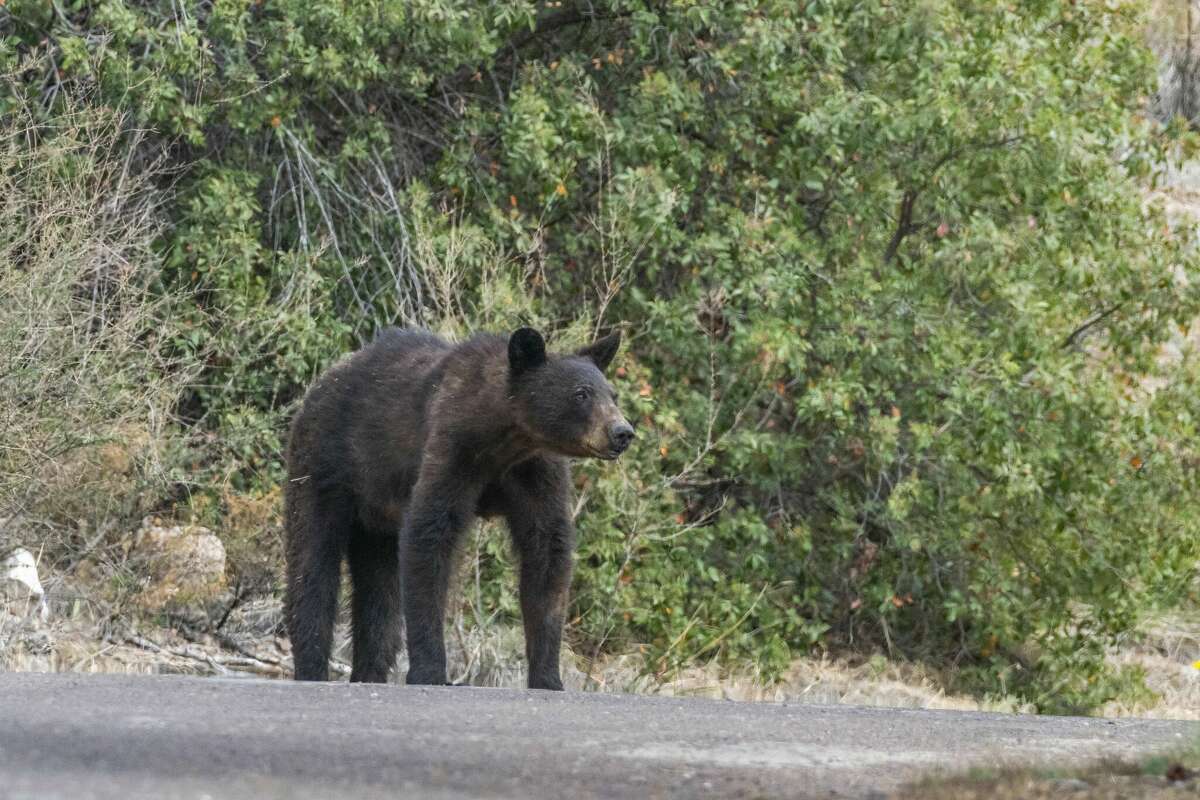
{"type": "Point", "coordinates": [545, 583]}
{"type": "Point", "coordinates": [440, 510]}
{"type": "Point", "coordinates": [539, 517]}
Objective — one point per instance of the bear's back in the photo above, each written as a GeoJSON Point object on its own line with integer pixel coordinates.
{"type": "Point", "coordinates": [368, 408]}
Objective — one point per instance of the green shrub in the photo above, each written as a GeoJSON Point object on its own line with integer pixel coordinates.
{"type": "Point", "coordinates": [893, 291]}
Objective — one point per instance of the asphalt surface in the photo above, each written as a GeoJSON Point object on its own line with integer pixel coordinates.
{"type": "Point", "coordinates": [114, 736]}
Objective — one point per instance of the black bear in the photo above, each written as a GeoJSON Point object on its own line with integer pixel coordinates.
{"type": "Point", "coordinates": [393, 454]}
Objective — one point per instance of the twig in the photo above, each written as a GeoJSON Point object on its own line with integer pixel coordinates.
{"type": "Point", "coordinates": [237, 599]}
{"type": "Point", "coordinates": [222, 664]}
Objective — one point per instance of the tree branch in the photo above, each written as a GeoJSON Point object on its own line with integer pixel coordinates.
{"type": "Point", "coordinates": [1078, 333]}
{"type": "Point", "coordinates": [904, 225]}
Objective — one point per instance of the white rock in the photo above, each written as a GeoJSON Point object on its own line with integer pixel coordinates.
{"type": "Point", "coordinates": [20, 568]}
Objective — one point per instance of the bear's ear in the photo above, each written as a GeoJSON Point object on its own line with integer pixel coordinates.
{"type": "Point", "coordinates": [601, 351]}
{"type": "Point", "coordinates": [526, 350]}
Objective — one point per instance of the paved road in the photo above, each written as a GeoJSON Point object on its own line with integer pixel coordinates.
{"type": "Point", "coordinates": [110, 736]}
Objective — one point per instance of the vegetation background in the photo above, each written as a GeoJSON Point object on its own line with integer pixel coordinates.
{"type": "Point", "coordinates": [895, 299]}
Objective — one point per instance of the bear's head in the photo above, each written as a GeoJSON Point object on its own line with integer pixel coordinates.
{"type": "Point", "coordinates": [564, 402]}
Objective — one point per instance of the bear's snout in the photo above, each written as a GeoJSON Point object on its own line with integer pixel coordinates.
{"type": "Point", "coordinates": [619, 437]}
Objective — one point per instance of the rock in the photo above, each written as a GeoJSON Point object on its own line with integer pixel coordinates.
{"type": "Point", "coordinates": [19, 580]}
{"type": "Point", "coordinates": [182, 564]}
{"type": "Point", "coordinates": [24, 613]}
{"type": "Point", "coordinates": [1070, 785]}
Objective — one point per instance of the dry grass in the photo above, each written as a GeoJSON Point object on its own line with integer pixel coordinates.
{"type": "Point", "coordinates": [1096, 784]}
{"type": "Point", "coordinates": [1173, 31]}
{"type": "Point", "coordinates": [819, 680]}
{"type": "Point", "coordinates": [85, 391]}
{"type": "Point", "coordinates": [1168, 649]}
{"type": "Point", "coordinates": [1172, 775]}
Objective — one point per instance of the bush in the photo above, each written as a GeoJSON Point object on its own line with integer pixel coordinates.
{"type": "Point", "coordinates": [896, 299]}
{"type": "Point", "coordinates": [86, 388]}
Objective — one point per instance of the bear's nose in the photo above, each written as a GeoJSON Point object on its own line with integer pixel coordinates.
{"type": "Point", "coordinates": [620, 436]}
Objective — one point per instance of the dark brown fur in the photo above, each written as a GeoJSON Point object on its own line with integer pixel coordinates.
{"type": "Point", "coordinates": [394, 453]}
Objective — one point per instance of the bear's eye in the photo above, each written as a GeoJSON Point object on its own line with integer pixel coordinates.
{"type": "Point", "coordinates": [582, 394]}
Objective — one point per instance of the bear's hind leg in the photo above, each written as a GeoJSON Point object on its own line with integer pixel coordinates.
{"type": "Point", "coordinates": [375, 575]}
{"type": "Point", "coordinates": [316, 539]}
